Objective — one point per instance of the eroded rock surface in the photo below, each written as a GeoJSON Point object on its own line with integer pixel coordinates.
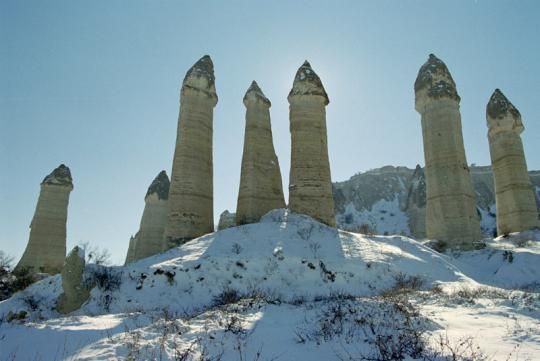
{"type": "Point", "coordinates": [149, 239]}
{"type": "Point", "coordinates": [76, 292]}
{"type": "Point", "coordinates": [226, 220]}
{"type": "Point", "coordinates": [46, 249]}
{"type": "Point", "coordinates": [310, 186]}
{"type": "Point", "coordinates": [191, 199]}
{"type": "Point", "coordinates": [516, 205]}
{"type": "Point", "coordinates": [451, 215]}
{"type": "Point", "coordinates": [261, 189]}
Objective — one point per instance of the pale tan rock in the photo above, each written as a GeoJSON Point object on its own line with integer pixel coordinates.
{"type": "Point", "coordinates": [149, 239]}
{"type": "Point", "coordinates": [310, 186]}
{"type": "Point", "coordinates": [191, 199]}
{"type": "Point", "coordinates": [76, 291]}
{"type": "Point", "coordinates": [226, 220]}
{"type": "Point", "coordinates": [515, 200]}
{"type": "Point", "coordinates": [261, 189]}
{"type": "Point", "coordinates": [451, 215]}
{"type": "Point", "coordinates": [46, 249]}
{"type": "Point", "coordinates": [130, 256]}
{"type": "Point", "coordinates": [416, 203]}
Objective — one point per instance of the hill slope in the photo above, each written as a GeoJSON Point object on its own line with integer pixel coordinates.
{"type": "Point", "coordinates": [289, 288]}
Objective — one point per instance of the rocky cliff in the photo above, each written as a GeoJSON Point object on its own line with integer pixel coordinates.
{"type": "Point", "coordinates": [392, 200]}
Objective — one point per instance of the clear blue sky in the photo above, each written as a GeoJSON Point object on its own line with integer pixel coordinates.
{"type": "Point", "coordinates": [95, 85]}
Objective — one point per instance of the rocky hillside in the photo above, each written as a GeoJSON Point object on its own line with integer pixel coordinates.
{"type": "Point", "coordinates": [391, 200]}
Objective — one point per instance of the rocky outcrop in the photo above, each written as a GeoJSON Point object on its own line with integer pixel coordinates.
{"type": "Point", "coordinates": [149, 239]}
{"type": "Point", "coordinates": [226, 220]}
{"type": "Point", "coordinates": [130, 256]}
{"type": "Point", "coordinates": [261, 189]}
{"type": "Point", "coordinates": [46, 249]}
{"type": "Point", "coordinates": [76, 292]}
{"type": "Point", "coordinates": [191, 199]}
{"type": "Point", "coordinates": [386, 199]}
{"type": "Point", "coordinates": [451, 215]}
{"type": "Point", "coordinates": [416, 203]}
{"type": "Point", "coordinates": [516, 206]}
{"type": "Point", "coordinates": [310, 187]}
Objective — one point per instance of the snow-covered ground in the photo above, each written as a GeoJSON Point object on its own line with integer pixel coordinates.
{"type": "Point", "coordinates": [290, 288]}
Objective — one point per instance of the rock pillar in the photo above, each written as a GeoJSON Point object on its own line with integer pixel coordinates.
{"type": "Point", "coordinates": [261, 189]}
{"type": "Point", "coordinates": [514, 196]}
{"type": "Point", "coordinates": [451, 215]}
{"type": "Point", "coordinates": [46, 249]}
{"type": "Point", "coordinates": [191, 199]}
{"type": "Point", "coordinates": [310, 186]}
{"type": "Point", "coordinates": [76, 292]}
{"type": "Point", "coordinates": [149, 239]}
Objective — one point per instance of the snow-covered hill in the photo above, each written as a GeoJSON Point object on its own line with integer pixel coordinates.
{"type": "Point", "coordinates": [290, 288]}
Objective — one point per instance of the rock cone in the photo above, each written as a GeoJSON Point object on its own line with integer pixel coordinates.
{"type": "Point", "coordinates": [149, 239]}
{"type": "Point", "coordinates": [261, 189]}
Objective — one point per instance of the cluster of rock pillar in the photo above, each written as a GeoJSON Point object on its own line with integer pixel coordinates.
{"type": "Point", "coordinates": [46, 248]}
{"type": "Point", "coordinates": [514, 197]}
{"type": "Point", "coordinates": [451, 215]}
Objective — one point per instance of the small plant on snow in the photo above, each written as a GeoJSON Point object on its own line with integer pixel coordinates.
{"type": "Point", "coordinates": [226, 297]}
{"type": "Point", "coordinates": [236, 248]}
{"type": "Point", "coordinates": [508, 256]}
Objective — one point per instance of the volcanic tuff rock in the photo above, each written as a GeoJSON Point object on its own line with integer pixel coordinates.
{"type": "Point", "coordinates": [385, 200]}
{"type": "Point", "coordinates": [450, 204]}
{"type": "Point", "coordinates": [226, 220]}
{"type": "Point", "coordinates": [261, 189]}
{"type": "Point", "coordinates": [310, 187]}
{"type": "Point", "coordinates": [514, 194]}
{"type": "Point", "coordinates": [149, 239]}
{"type": "Point", "coordinates": [76, 291]}
{"type": "Point", "coordinates": [46, 247]}
{"type": "Point", "coordinates": [191, 198]}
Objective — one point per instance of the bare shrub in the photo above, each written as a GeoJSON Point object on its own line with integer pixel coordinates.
{"type": "Point", "coordinates": [96, 255]}
{"type": "Point", "coordinates": [226, 297]}
{"type": "Point", "coordinates": [403, 284]}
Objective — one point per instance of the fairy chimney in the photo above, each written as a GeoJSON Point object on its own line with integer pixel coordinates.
{"type": "Point", "coordinates": [310, 186]}
{"type": "Point", "coordinates": [261, 189]}
{"type": "Point", "coordinates": [451, 215]}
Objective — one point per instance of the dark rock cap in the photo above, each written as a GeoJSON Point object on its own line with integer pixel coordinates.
{"type": "Point", "coordinates": [160, 186]}
{"type": "Point", "coordinates": [204, 67]}
{"type": "Point", "coordinates": [499, 106]}
{"type": "Point", "coordinates": [61, 176]}
{"type": "Point", "coordinates": [434, 77]}
{"type": "Point", "coordinates": [256, 92]}
{"type": "Point", "coordinates": [307, 82]}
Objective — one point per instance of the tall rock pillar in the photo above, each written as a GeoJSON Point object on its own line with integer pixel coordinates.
{"type": "Point", "coordinates": [514, 197]}
{"type": "Point", "coordinates": [310, 186]}
{"type": "Point", "coordinates": [46, 249]}
{"type": "Point", "coordinates": [261, 189]}
{"type": "Point", "coordinates": [191, 198]}
{"type": "Point", "coordinates": [451, 215]}
{"type": "Point", "coordinates": [149, 239]}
